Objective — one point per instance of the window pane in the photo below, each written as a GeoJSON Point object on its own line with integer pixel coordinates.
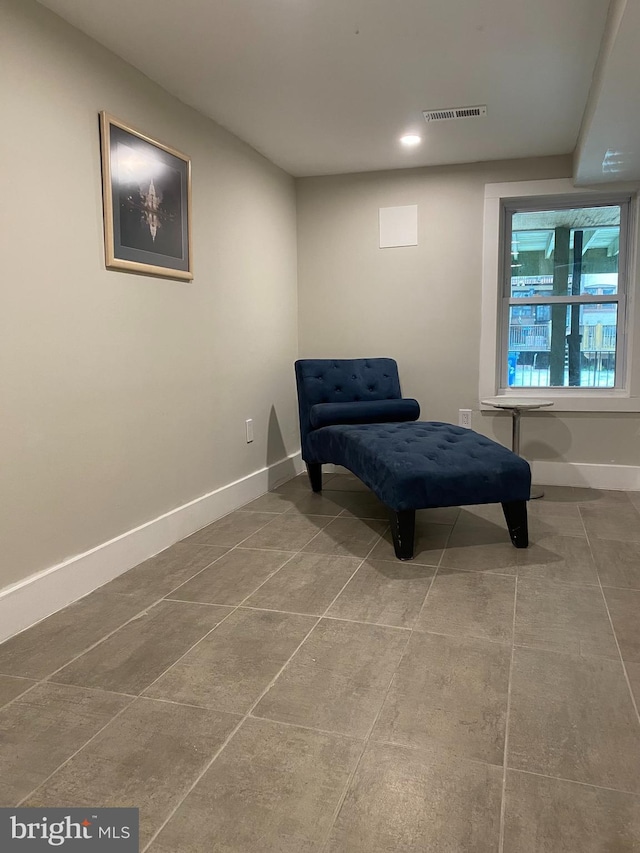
{"type": "Point", "coordinates": [565, 252]}
{"type": "Point", "coordinates": [562, 346]}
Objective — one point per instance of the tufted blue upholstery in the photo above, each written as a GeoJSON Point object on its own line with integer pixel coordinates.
{"type": "Point", "coordinates": [421, 465]}
{"type": "Point", "coordinates": [347, 380]}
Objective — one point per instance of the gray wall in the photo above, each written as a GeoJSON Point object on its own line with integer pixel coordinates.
{"type": "Point", "coordinates": [125, 396]}
{"type": "Point", "coordinates": [421, 305]}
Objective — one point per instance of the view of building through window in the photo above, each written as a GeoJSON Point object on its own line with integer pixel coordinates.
{"type": "Point", "coordinates": [562, 297]}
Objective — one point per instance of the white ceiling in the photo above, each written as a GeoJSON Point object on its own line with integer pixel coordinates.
{"type": "Point", "coordinates": [329, 86]}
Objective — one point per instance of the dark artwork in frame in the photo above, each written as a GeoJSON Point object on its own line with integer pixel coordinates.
{"type": "Point", "coordinates": [147, 203]}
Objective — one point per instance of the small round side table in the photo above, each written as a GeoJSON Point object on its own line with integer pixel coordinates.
{"type": "Point", "coordinates": [517, 405]}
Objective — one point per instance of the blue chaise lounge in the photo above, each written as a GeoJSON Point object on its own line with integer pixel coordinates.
{"type": "Point", "coordinates": [352, 413]}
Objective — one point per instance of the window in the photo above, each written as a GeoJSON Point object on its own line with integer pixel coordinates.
{"type": "Point", "coordinates": [558, 314]}
{"type": "Point", "coordinates": [559, 261]}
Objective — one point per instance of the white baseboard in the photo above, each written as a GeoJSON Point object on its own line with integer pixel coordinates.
{"type": "Point", "coordinates": [615, 477]}
{"type": "Point", "coordinates": [36, 597]}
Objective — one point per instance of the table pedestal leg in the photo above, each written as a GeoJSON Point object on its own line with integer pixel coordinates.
{"type": "Point", "coordinates": [515, 432]}
{"type": "Point", "coordinates": [536, 492]}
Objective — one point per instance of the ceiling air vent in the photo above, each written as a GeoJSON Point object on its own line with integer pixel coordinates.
{"type": "Point", "coordinates": [453, 113]}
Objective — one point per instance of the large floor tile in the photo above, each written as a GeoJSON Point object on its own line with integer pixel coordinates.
{"type": "Point", "coordinates": [612, 522]}
{"type": "Point", "coordinates": [337, 679]}
{"type": "Point", "coordinates": [480, 546]}
{"type": "Point", "coordinates": [233, 577]}
{"type": "Point", "coordinates": [385, 592]}
{"type": "Point", "coordinates": [39, 651]}
{"type": "Point", "coordinates": [584, 496]}
{"type": "Point", "coordinates": [230, 530]}
{"type": "Point", "coordinates": [634, 497]}
{"type": "Point", "coordinates": [45, 727]}
{"type": "Point", "coordinates": [158, 576]}
{"type": "Point", "coordinates": [563, 618]}
{"type": "Point", "coordinates": [316, 503]}
{"type": "Point", "coordinates": [429, 543]}
{"type": "Point", "coordinates": [624, 607]}
{"type": "Point", "coordinates": [483, 515]}
{"type": "Point", "coordinates": [360, 505]}
{"type": "Point", "coordinates": [438, 515]}
{"type": "Point", "coordinates": [486, 547]}
{"type": "Point", "coordinates": [345, 483]}
{"type": "Point", "coordinates": [138, 653]}
{"type": "Point", "coordinates": [270, 502]}
{"type": "Point", "coordinates": [573, 717]}
{"type": "Point", "coordinates": [548, 517]}
{"type": "Point", "coordinates": [307, 584]}
{"type": "Point", "coordinates": [545, 815]}
{"type": "Point", "coordinates": [148, 757]}
{"type": "Point", "coordinates": [449, 693]}
{"type": "Point", "coordinates": [618, 563]}
{"type": "Point", "coordinates": [288, 532]}
{"type": "Point", "coordinates": [565, 559]}
{"type": "Point", "coordinates": [470, 604]}
{"type": "Point", "coordinates": [273, 789]}
{"type": "Point", "coordinates": [300, 483]}
{"type": "Point", "coordinates": [11, 687]}
{"type": "Point", "coordinates": [414, 801]}
{"type": "Point", "coordinates": [347, 537]}
{"type": "Point", "coordinates": [231, 667]}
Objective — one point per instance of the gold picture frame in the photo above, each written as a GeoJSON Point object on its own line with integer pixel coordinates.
{"type": "Point", "coordinates": [146, 190]}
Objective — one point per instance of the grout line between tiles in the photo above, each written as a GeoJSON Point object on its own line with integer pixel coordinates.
{"type": "Point", "coordinates": [367, 738]}
{"type": "Point", "coordinates": [237, 544]}
{"type": "Point", "coordinates": [503, 799]}
{"type": "Point", "coordinates": [289, 724]}
{"type": "Point", "coordinates": [329, 617]}
{"type": "Point", "coordinates": [566, 652]}
{"type": "Point", "coordinates": [575, 782]}
{"type": "Point", "coordinates": [613, 627]}
{"type": "Point", "coordinates": [234, 608]}
{"type": "Point", "coordinates": [20, 696]}
{"type": "Point", "coordinates": [437, 749]}
{"type": "Point", "coordinates": [615, 637]}
{"type": "Point", "coordinates": [435, 575]}
{"type": "Point", "coordinates": [73, 755]}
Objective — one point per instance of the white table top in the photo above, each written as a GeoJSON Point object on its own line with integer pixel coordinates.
{"type": "Point", "coordinates": [516, 403]}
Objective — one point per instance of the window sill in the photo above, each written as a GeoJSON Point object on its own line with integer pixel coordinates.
{"type": "Point", "coordinates": [602, 401]}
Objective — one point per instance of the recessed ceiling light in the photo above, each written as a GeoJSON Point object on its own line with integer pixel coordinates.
{"type": "Point", "coordinates": [411, 139]}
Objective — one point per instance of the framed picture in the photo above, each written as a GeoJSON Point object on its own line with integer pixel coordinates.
{"type": "Point", "coordinates": [147, 203]}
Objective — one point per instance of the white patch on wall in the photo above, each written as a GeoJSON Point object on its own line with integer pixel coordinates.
{"type": "Point", "coordinates": [399, 226]}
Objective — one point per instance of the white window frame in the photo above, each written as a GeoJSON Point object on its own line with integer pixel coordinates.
{"type": "Point", "coordinates": [625, 397]}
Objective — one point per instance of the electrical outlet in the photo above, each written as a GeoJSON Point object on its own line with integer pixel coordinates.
{"type": "Point", "coordinates": [464, 418]}
{"type": "Point", "coordinates": [249, 427]}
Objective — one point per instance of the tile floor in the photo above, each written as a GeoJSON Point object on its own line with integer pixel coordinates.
{"type": "Point", "coordinates": [278, 682]}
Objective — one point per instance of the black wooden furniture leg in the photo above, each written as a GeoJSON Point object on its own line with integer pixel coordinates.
{"type": "Point", "coordinates": [403, 527]}
{"type": "Point", "coordinates": [314, 470]}
{"type": "Point", "coordinates": [515, 514]}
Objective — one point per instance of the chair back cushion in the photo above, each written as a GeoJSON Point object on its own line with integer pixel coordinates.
{"type": "Point", "coordinates": [347, 380]}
